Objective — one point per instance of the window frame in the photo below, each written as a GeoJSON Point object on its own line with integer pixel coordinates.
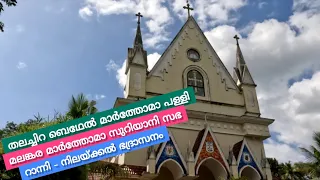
{"type": "Point", "coordinates": [205, 81]}
{"type": "Point", "coordinates": [195, 84]}
{"type": "Point", "coordinates": [193, 60]}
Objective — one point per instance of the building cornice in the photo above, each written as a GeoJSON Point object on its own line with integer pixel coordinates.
{"type": "Point", "coordinates": [231, 119]}
{"type": "Point", "coordinates": [211, 116]}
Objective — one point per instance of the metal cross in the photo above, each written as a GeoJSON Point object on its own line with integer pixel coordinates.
{"type": "Point", "coordinates": [139, 16]}
{"type": "Point", "coordinates": [188, 7]}
{"type": "Point", "coordinates": [237, 38]}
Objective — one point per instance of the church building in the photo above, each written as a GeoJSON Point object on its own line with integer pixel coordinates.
{"type": "Point", "coordinates": [225, 132]}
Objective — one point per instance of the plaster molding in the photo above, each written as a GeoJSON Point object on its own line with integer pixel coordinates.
{"type": "Point", "coordinates": [230, 119]}
{"type": "Point", "coordinates": [225, 128]}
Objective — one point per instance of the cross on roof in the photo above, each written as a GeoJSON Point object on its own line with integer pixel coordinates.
{"type": "Point", "coordinates": [237, 38]}
{"type": "Point", "coordinates": [139, 16]}
{"type": "Point", "coordinates": [188, 8]}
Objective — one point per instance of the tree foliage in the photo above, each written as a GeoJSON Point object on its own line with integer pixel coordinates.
{"type": "Point", "coordinates": [8, 3]}
{"type": "Point", "coordinates": [313, 155]}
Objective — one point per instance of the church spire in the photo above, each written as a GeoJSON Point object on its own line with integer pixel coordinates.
{"type": "Point", "coordinates": [241, 74]}
{"type": "Point", "coordinates": [240, 60]}
{"type": "Point", "coordinates": [138, 38]}
{"type": "Point", "coordinates": [137, 55]}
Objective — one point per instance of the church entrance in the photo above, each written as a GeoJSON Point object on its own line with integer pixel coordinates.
{"type": "Point", "coordinates": [211, 169]}
{"type": "Point", "coordinates": [250, 173]}
{"type": "Point", "coordinates": [169, 170]}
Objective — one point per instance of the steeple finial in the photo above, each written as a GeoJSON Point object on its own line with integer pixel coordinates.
{"type": "Point", "coordinates": [237, 39]}
{"type": "Point", "coordinates": [188, 8]}
{"type": "Point", "coordinates": [138, 38]}
{"type": "Point", "coordinates": [139, 16]}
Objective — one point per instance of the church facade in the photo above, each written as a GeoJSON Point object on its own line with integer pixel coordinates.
{"type": "Point", "coordinates": [224, 135]}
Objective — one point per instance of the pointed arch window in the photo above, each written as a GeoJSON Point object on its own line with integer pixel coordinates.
{"type": "Point", "coordinates": [195, 80]}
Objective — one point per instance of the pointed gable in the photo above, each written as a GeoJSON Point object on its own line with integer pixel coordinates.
{"type": "Point", "coordinates": [209, 148]}
{"type": "Point", "coordinates": [246, 158]}
{"type": "Point", "coordinates": [247, 78]}
{"type": "Point", "coordinates": [241, 71]}
{"type": "Point", "coordinates": [169, 57]}
{"type": "Point", "coordinates": [197, 143]}
{"type": "Point", "coordinates": [237, 148]}
{"type": "Point", "coordinates": [169, 150]}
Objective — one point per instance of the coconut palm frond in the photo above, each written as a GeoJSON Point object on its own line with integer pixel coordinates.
{"type": "Point", "coordinates": [308, 154]}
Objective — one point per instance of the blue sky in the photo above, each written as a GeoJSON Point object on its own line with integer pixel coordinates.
{"type": "Point", "coordinates": [51, 50]}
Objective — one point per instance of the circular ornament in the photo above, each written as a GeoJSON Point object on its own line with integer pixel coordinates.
{"type": "Point", "coordinates": [246, 158]}
{"type": "Point", "coordinates": [193, 55]}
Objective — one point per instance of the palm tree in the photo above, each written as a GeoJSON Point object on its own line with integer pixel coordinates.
{"type": "Point", "coordinates": [304, 168]}
{"type": "Point", "coordinates": [81, 106]}
{"type": "Point", "coordinates": [313, 155]}
{"type": "Point", "coordinates": [287, 171]}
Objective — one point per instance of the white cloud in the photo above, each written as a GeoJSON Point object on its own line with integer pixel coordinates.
{"type": "Point", "coordinates": [112, 66]}
{"type": "Point", "coordinates": [95, 96]}
{"type": "Point", "coordinates": [282, 152]}
{"type": "Point", "coordinates": [157, 16]}
{"type": "Point", "coordinates": [121, 76]}
{"type": "Point", "coordinates": [275, 53]}
{"type": "Point", "coordinates": [261, 4]}
{"type": "Point", "coordinates": [85, 12]}
{"type": "Point", "coordinates": [155, 13]}
{"type": "Point", "coordinates": [21, 65]}
{"type": "Point", "coordinates": [99, 96]}
{"type": "Point", "coordinates": [120, 71]}
{"type": "Point", "coordinates": [300, 5]}
{"type": "Point", "coordinates": [212, 12]}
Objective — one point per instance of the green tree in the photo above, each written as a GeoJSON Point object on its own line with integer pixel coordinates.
{"type": "Point", "coordinates": [12, 129]}
{"type": "Point", "coordinates": [8, 3]}
{"type": "Point", "coordinates": [106, 170]}
{"type": "Point", "coordinates": [287, 171]}
{"type": "Point", "coordinates": [274, 167]}
{"type": "Point", "coordinates": [304, 168]}
{"type": "Point", "coordinates": [313, 155]}
{"type": "Point", "coordinates": [80, 106]}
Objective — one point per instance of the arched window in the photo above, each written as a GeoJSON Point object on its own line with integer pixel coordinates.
{"type": "Point", "coordinates": [195, 80]}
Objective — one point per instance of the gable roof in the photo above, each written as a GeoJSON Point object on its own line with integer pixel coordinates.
{"type": "Point", "coordinates": [177, 157]}
{"type": "Point", "coordinates": [221, 64]}
{"type": "Point", "coordinates": [244, 145]}
{"type": "Point", "coordinates": [202, 136]}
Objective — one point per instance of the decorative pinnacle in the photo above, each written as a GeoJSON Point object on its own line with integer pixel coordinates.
{"type": "Point", "coordinates": [139, 16]}
{"type": "Point", "coordinates": [188, 8]}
